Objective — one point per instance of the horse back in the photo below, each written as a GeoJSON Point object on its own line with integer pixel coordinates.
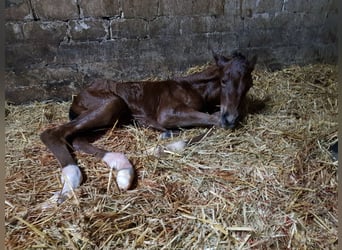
{"type": "Point", "coordinates": [154, 96]}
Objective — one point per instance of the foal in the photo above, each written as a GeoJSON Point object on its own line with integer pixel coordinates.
{"type": "Point", "coordinates": [210, 98]}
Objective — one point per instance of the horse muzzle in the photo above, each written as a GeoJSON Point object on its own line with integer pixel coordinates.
{"type": "Point", "coordinates": [229, 121]}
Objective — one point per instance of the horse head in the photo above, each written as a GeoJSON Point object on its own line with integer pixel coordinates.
{"type": "Point", "coordinates": [236, 80]}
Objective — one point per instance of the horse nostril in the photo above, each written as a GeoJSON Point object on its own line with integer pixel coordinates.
{"type": "Point", "coordinates": [228, 121]}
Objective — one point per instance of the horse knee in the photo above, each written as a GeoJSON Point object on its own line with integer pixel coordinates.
{"type": "Point", "coordinates": [165, 119]}
{"type": "Point", "coordinates": [53, 138]}
{"type": "Point", "coordinates": [46, 136]}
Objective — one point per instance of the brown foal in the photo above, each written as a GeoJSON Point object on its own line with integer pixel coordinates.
{"type": "Point", "coordinates": [213, 97]}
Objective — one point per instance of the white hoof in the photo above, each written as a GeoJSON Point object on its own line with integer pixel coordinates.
{"type": "Point", "coordinates": [51, 202]}
{"type": "Point", "coordinates": [124, 178]}
{"type": "Point", "coordinates": [125, 171]}
{"type": "Point", "coordinates": [157, 151]}
{"type": "Point", "coordinates": [177, 146]}
{"type": "Point", "coordinates": [71, 179]}
{"type": "Point", "coordinates": [171, 148]}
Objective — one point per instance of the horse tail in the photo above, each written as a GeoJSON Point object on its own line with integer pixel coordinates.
{"type": "Point", "coordinates": [178, 146]}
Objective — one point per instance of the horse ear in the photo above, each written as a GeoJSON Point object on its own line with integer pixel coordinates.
{"type": "Point", "coordinates": [220, 60]}
{"type": "Point", "coordinates": [252, 62]}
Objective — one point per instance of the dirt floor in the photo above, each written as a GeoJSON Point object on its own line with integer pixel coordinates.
{"type": "Point", "coordinates": [271, 184]}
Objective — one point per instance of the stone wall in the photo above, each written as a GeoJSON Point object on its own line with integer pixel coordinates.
{"type": "Point", "coordinates": [55, 47]}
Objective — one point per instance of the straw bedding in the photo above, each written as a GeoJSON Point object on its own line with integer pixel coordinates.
{"type": "Point", "coordinates": [271, 184]}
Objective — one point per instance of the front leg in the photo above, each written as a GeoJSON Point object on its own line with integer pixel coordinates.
{"type": "Point", "coordinates": [150, 123]}
{"type": "Point", "coordinates": [170, 133]}
{"type": "Point", "coordinates": [187, 117]}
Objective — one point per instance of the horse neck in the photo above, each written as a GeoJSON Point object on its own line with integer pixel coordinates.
{"type": "Point", "coordinates": [207, 75]}
{"type": "Point", "coordinates": [207, 83]}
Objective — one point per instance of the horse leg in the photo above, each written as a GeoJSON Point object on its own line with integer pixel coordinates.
{"type": "Point", "coordinates": [149, 122]}
{"type": "Point", "coordinates": [114, 160]}
{"type": "Point", "coordinates": [56, 140]}
{"type": "Point", "coordinates": [152, 123]}
{"type": "Point", "coordinates": [170, 133]}
{"type": "Point", "coordinates": [188, 117]}
{"type": "Point", "coordinates": [183, 117]}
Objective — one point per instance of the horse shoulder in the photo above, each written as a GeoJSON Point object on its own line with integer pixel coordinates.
{"type": "Point", "coordinates": [182, 94]}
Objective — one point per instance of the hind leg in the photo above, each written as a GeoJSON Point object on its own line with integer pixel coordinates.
{"type": "Point", "coordinates": [114, 160]}
{"type": "Point", "coordinates": [105, 115]}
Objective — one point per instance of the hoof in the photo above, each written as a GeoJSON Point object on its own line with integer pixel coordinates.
{"type": "Point", "coordinates": [157, 151]}
{"type": "Point", "coordinates": [125, 170]}
{"type": "Point", "coordinates": [169, 134]}
{"type": "Point", "coordinates": [55, 200]}
{"type": "Point", "coordinates": [71, 178]}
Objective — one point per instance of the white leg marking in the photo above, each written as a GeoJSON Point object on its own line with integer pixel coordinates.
{"type": "Point", "coordinates": [120, 163]}
{"type": "Point", "coordinates": [71, 178]}
{"type": "Point", "coordinates": [176, 146]}
{"type": "Point", "coordinates": [173, 147]}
